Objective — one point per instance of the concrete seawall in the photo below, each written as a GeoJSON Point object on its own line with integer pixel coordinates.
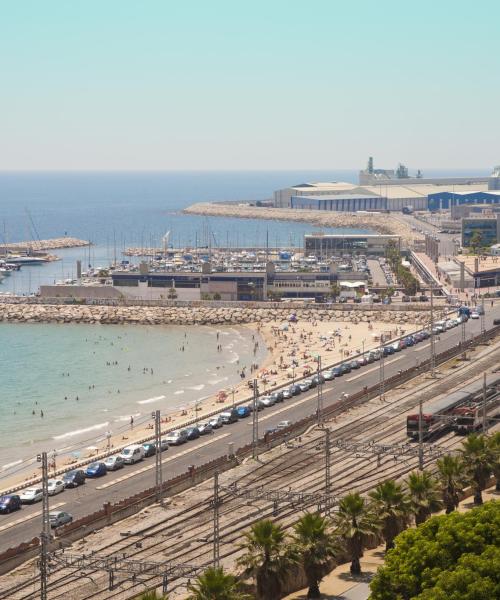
{"type": "Point", "coordinates": [156, 315]}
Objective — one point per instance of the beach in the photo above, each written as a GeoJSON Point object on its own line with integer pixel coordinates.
{"type": "Point", "coordinates": [275, 352]}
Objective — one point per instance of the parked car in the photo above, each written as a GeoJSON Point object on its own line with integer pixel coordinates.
{"type": "Point", "coordinates": [312, 382]}
{"type": "Point", "coordinates": [318, 378]}
{"type": "Point", "coordinates": [355, 364]}
{"type": "Point", "coordinates": [176, 438]}
{"type": "Point", "coordinates": [74, 478]}
{"type": "Point", "coordinates": [132, 454]}
{"type": "Point", "coordinates": [59, 517]}
{"type": "Point", "coordinates": [345, 368]}
{"type": "Point", "coordinates": [229, 416]}
{"type": "Point", "coordinates": [278, 396]}
{"type": "Point", "coordinates": [205, 428]}
{"type": "Point", "coordinates": [338, 371]}
{"type": "Point", "coordinates": [305, 385]}
{"type": "Point", "coordinates": [216, 422]}
{"type": "Point", "coordinates": [96, 469]}
{"type": "Point", "coordinates": [113, 463]}
{"type": "Point", "coordinates": [474, 314]}
{"type": "Point", "coordinates": [163, 445]}
{"type": "Point", "coordinates": [363, 360]}
{"type": "Point", "coordinates": [55, 486]}
{"type": "Point", "coordinates": [267, 401]}
{"type": "Point", "coordinates": [283, 424]}
{"type": "Point", "coordinates": [286, 394]}
{"type": "Point", "coordinates": [10, 503]}
{"type": "Point", "coordinates": [193, 433]}
{"type": "Point", "coordinates": [295, 389]}
{"type": "Point", "coordinates": [329, 375]}
{"type": "Point", "coordinates": [243, 411]}
{"type": "Point", "coordinates": [149, 449]}
{"type": "Point", "coordinates": [31, 495]}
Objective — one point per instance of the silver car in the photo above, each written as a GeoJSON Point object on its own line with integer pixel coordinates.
{"type": "Point", "coordinates": [205, 428]}
{"type": "Point", "coordinates": [59, 517]}
{"type": "Point", "coordinates": [113, 463]}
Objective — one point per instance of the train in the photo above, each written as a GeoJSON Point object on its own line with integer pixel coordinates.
{"type": "Point", "coordinates": [441, 415]}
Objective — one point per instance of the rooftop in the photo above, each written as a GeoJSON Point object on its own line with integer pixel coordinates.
{"type": "Point", "coordinates": [487, 263]}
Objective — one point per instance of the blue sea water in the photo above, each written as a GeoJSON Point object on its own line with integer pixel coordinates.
{"type": "Point", "coordinates": [90, 379]}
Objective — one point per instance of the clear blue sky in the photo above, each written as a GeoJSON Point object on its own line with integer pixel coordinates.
{"type": "Point", "coordinates": [248, 84]}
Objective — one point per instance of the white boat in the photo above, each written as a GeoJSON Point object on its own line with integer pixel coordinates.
{"type": "Point", "coordinates": [26, 260]}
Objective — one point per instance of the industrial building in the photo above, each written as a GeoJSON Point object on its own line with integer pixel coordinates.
{"type": "Point", "coordinates": [389, 191]}
{"type": "Point", "coordinates": [340, 202]}
{"type": "Point", "coordinates": [445, 200]}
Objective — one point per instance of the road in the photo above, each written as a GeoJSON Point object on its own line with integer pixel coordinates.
{"type": "Point", "coordinates": [26, 524]}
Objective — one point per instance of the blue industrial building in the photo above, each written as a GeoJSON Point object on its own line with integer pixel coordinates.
{"type": "Point", "coordinates": [445, 200]}
{"type": "Point", "coordinates": [339, 202]}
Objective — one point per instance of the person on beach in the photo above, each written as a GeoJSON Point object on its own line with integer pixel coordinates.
{"type": "Point", "coordinates": [131, 423]}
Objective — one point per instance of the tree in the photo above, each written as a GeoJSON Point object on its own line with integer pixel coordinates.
{"type": "Point", "coordinates": [151, 595]}
{"type": "Point", "coordinates": [452, 480]}
{"type": "Point", "coordinates": [478, 462]}
{"type": "Point", "coordinates": [423, 492]}
{"type": "Point", "coordinates": [476, 241]}
{"type": "Point", "coordinates": [355, 521]}
{"type": "Point", "coordinates": [449, 557]}
{"type": "Point", "coordinates": [392, 505]}
{"type": "Point", "coordinates": [494, 445]}
{"type": "Point", "coordinates": [267, 558]}
{"type": "Point", "coordinates": [316, 547]}
{"type": "Point", "coordinates": [172, 293]}
{"type": "Point", "coordinates": [214, 584]}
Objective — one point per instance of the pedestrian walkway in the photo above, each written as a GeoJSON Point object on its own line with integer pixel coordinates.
{"type": "Point", "coordinates": [341, 585]}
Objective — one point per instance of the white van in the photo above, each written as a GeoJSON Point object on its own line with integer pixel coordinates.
{"type": "Point", "coordinates": [132, 454]}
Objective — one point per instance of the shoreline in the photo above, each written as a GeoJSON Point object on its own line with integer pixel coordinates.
{"type": "Point", "coordinates": [284, 343]}
{"type": "Point", "coordinates": [383, 223]}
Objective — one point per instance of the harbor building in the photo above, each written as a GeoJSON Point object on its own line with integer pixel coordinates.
{"type": "Point", "coordinates": [326, 245]}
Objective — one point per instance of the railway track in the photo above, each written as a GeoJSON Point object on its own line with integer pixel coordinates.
{"type": "Point", "coordinates": [185, 535]}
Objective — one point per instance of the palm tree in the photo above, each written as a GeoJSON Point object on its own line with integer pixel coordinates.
{"type": "Point", "coordinates": [452, 480]}
{"type": "Point", "coordinates": [423, 493]}
{"type": "Point", "coordinates": [478, 461]}
{"type": "Point", "coordinates": [267, 558]}
{"type": "Point", "coordinates": [214, 584]}
{"type": "Point", "coordinates": [355, 522]}
{"type": "Point", "coordinates": [315, 546]}
{"type": "Point", "coordinates": [494, 445]}
{"type": "Point", "coordinates": [150, 595]}
{"type": "Point", "coordinates": [393, 507]}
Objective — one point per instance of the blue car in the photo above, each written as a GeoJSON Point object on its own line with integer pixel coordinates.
{"type": "Point", "coordinates": [9, 503]}
{"type": "Point", "coordinates": [243, 411]}
{"type": "Point", "coordinates": [97, 469]}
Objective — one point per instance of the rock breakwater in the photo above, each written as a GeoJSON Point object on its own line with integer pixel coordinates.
{"type": "Point", "coordinates": [382, 223]}
{"type": "Point", "coordinates": [38, 313]}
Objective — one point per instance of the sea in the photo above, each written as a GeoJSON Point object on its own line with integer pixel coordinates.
{"type": "Point", "coordinates": [91, 379]}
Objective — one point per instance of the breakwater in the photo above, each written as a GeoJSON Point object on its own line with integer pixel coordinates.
{"type": "Point", "coordinates": [200, 315]}
{"type": "Point", "coordinates": [382, 223]}
{"type": "Point", "coordinates": [38, 245]}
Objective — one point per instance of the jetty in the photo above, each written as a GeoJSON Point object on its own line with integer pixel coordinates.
{"type": "Point", "coordinates": [42, 245]}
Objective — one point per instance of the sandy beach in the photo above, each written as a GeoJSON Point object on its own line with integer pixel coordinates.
{"type": "Point", "coordinates": [292, 348]}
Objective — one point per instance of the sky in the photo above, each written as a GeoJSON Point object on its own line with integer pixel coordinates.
{"type": "Point", "coordinates": [248, 84]}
